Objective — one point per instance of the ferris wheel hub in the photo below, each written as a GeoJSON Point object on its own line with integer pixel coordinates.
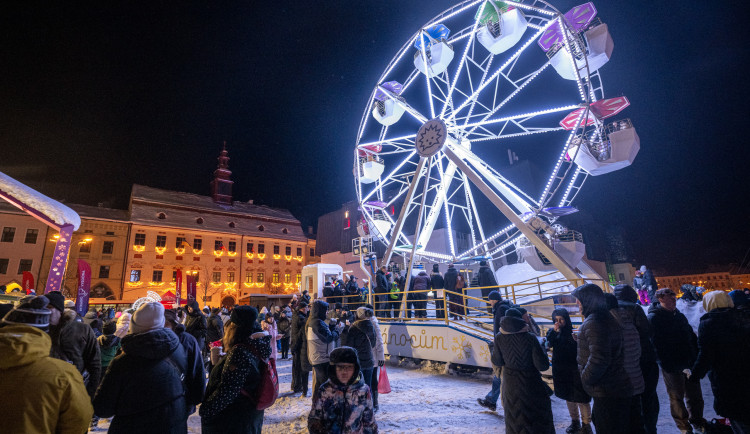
{"type": "Point", "coordinates": [431, 137]}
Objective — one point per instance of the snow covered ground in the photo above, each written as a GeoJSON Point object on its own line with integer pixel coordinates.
{"type": "Point", "coordinates": [427, 399]}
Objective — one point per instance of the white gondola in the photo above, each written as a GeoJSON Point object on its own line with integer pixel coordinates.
{"type": "Point", "coordinates": [387, 112]}
{"type": "Point", "coordinates": [504, 34]}
{"type": "Point", "coordinates": [569, 245]}
{"type": "Point", "coordinates": [372, 168]}
{"type": "Point", "coordinates": [439, 56]}
{"type": "Point", "coordinates": [613, 148]}
{"type": "Point", "coordinates": [598, 48]}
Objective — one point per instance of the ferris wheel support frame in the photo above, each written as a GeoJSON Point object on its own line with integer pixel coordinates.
{"type": "Point", "coordinates": [504, 208]}
{"type": "Point", "coordinates": [402, 215]}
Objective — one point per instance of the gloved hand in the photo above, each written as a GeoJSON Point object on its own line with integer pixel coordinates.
{"type": "Point", "coordinates": [381, 363]}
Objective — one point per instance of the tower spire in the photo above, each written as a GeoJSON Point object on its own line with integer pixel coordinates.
{"type": "Point", "coordinates": [221, 186]}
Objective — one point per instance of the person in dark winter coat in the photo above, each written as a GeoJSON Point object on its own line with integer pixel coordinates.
{"type": "Point", "coordinates": [195, 375]}
{"type": "Point", "coordinates": [352, 300]}
{"type": "Point", "coordinates": [74, 342]}
{"type": "Point", "coordinates": [649, 283]}
{"type": "Point", "coordinates": [455, 304]}
{"type": "Point", "coordinates": [677, 348]}
{"type": "Point", "coordinates": [284, 329]}
{"type": "Point", "coordinates": [723, 352]}
{"type": "Point", "coordinates": [195, 323]}
{"type": "Point", "coordinates": [143, 387]}
{"type": "Point", "coordinates": [109, 344]}
{"type": "Point", "coordinates": [321, 340]}
{"type": "Point", "coordinates": [231, 394]}
{"type": "Point", "coordinates": [214, 326]}
{"type": "Point", "coordinates": [362, 338]}
{"type": "Point", "coordinates": [421, 283]}
{"type": "Point", "coordinates": [300, 376]}
{"type": "Point", "coordinates": [565, 375]}
{"type": "Point", "coordinates": [525, 395]}
{"type": "Point", "coordinates": [343, 404]}
{"type": "Point", "coordinates": [92, 320]}
{"type": "Point", "coordinates": [628, 302]}
{"type": "Point", "coordinates": [499, 308]}
{"type": "Point", "coordinates": [305, 297]}
{"type": "Point", "coordinates": [631, 360]}
{"type": "Point", "coordinates": [380, 293]}
{"type": "Point", "coordinates": [438, 285]}
{"type": "Point", "coordinates": [486, 278]}
{"type": "Point", "coordinates": [601, 362]}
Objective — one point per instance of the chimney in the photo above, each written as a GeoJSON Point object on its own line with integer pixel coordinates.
{"type": "Point", "coordinates": [310, 230]}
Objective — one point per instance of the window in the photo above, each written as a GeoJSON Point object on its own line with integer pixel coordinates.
{"type": "Point", "coordinates": [85, 247]}
{"type": "Point", "coordinates": [8, 235]}
{"type": "Point", "coordinates": [275, 277]}
{"type": "Point", "coordinates": [287, 278]}
{"type": "Point", "coordinates": [275, 250]}
{"type": "Point", "coordinates": [312, 252]}
{"type": "Point", "coordinates": [230, 276]}
{"type": "Point", "coordinates": [157, 275]}
{"type": "Point", "coordinates": [197, 243]}
{"type": "Point", "coordinates": [288, 251]}
{"type": "Point", "coordinates": [31, 236]}
{"type": "Point", "coordinates": [108, 247]}
{"type": "Point", "coordinates": [199, 220]}
{"type": "Point", "coordinates": [135, 275]}
{"type": "Point", "coordinates": [161, 241]}
{"type": "Point", "coordinates": [161, 216]}
{"type": "Point", "coordinates": [232, 225]}
{"type": "Point", "coordinates": [196, 276]}
{"type": "Point", "coordinates": [250, 248]}
{"type": "Point", "coordinates": [24, 265]}
{"type": "Point", "coordinates": [111, 234]}
{"type": "Point", "coordinates": [299, 251]}
{"type": "Point", "coordinates": [216, 277]}
{"type": "Point", "coordinates": [4, 266]}
{"type": "Point", "coordinates": [261, 278]}
{"type": "Point", "coordinates": [104, 272]}
{"type": "Point", "coordinates": [140, 240]}
{"type": "Point", "coordinates": [621, 276]}
{"type": "Point", "coordinates": [285, 231]}
{"type": "Point", "coordinates": [248, 276]}
{"type": "Point", "coordinates": [232, 247]}
{"type": "Point", "coordinates": [261, 228]}
{"type": "Point", "coordinates": [174, 276]}
{"type": "Point", "coordinates": [261, 248]}
{"type": "Point", "coordinates": [178, 242]}
{"type": "Point", "coordinates": [299, 277]}
{"type": "Point", "coordinates": [217, 245]}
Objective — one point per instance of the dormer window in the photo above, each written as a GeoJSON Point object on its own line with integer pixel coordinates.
{"type": "Point", "coordinates": [199, 220]}
{"type": "Point", "coordinates": [161, 216]}
{"type": "Point", "coordinates": [231, 225]}
{"type": "Point", "coordinates": [261, 228]}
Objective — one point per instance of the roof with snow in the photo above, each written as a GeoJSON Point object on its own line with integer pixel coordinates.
{"type": "Point", "coordinates": [157, 207]}
{"type": "Point", "coordinates": [37, 204]}
{"type": "Point", "coordinates": [100, 213]}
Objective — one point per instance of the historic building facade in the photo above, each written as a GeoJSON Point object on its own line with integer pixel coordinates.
{"type": "Point", "coordinates": [21, 245]}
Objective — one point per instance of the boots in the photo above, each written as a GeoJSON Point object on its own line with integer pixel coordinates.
{"type": "Point", "coordinates": [486, 404]}
{"type": "Point", "coordinates": [586, 429]}
{"type": "Point", "coordinates": [574, 427]}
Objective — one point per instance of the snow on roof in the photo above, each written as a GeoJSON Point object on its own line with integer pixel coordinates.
{"type": "Point", "coordinates": [98, 212]}
{"type": "Point", "coordinates": [39, 203]}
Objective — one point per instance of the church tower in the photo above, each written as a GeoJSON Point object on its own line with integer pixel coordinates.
{"type": "Point", "coordinates": [221, 186]}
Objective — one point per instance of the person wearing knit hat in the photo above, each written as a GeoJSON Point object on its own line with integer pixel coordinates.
{"type": "Point", "coordinates": [148, 317]}
{"type": "Point", "coordinates": [43, 394]}
{"type": "Point", "coordinates": [56, 300]}
{"type": "Point", "coordinates": [740, 299]}
{"type": "Point", "coordinates": [487, 281]}
{"type": "Point", "coordinates": [70, 304]}
{"type": "Point", "coordinates": [245, 317]}
{"type": "Point", "coordinates": [108, 343]}
{"type": "Point", "coordinates": [499, 310]}
{"type": "Point", "coordinates": [723, 350]}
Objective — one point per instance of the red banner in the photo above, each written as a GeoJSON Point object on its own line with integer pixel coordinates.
{"type": "Point", "coordinates": [27, 282]}
{"type": "Point", "coordinates": [178, 288]}
{"type": "Point", "coordinates": [191, 287]}
{"type": "Point", "coordinates": [84, 286]}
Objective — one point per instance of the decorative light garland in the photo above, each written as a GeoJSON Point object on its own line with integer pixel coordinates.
{"type": "Point", "coordinates": [218, 253]}
{"type": "Point", "coordinates": [137, 248]}
{"type": "Point", "coordinates": [160, 250]}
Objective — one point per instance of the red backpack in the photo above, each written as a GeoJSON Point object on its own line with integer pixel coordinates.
{"type": "Point", "coordinates": [268, 388]}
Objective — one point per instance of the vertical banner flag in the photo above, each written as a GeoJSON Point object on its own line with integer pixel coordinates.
{"type": "Point", "coordinates": [27, 282]}
{"type": "Point", "coordinates": [83, 287]}
{"type": "Point", "coordinates": [191, 290]}
{"type": "Point", "coordinates": [178, 288]}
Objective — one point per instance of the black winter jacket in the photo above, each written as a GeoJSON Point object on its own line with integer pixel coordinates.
{"type": "Point", "coordinates": [195, 323]}
{"type": "Point", "coordinates": [631, 345]}
{"type": "Point", "coordinates": [498, 312]}
{"type": "Point", "coordinates": [75, 343]}
{"type": "Point", "coordinates": [600, 348]}
{"type": "Point", "coordinates": [437, 281]}
{"type": "Point", "coordinates": [298, 331]}
{"type": "Point", "coordinates": [674, 341]}
{"type": "Point", "coordinates": [449, 279]}
{"type": "Point", "coordinates": [381, 283]}
{"type": "Point", "coordinates": [195, 375]}
{"type": "Point", "coordinates": [486, 278]}
{"type": "Point", "coordinates": [565, 375]}
{"type": "Point", "coordinates": [214, 328]}
{"type": "Point", "coordinates": [142, 388]}
{"type": "Point", "coordinates": [724, 349]}
{"type": "Point", "coordinates": [362, 338]}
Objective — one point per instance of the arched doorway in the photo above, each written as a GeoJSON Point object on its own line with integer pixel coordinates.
{"type": "Point", "coordinates": [228, 301]}
{"type": "Point", "coordinates": [101, 290]}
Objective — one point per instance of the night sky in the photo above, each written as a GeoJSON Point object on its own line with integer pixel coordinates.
{"type": "Point", "coordinates": [95, 99]}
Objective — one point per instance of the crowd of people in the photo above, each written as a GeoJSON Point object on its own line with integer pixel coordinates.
{"type": "Point", "coordinates": [148, 369]}
{"type": "Point", "coordinates": [615, 358]}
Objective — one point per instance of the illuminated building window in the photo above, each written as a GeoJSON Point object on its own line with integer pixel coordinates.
{"type": "Point", "coordinates": [161, 241]}
{"type": "Point", "coordinates": [197, 243]}
{"type": "Point", "coordinates": [174, 276]}
{"type": "Point", "coordinates": [217, 245]}
{"type": "Point", "coordinates": [275, 278]}
{"type": "Point", "coordinates": [261, 278]}
{"type": "Point", "coordinates": [248, 277]}
{"type": "Point", "coordinates": [135, 275]}
{"type": "Point", "coordinates": [178, 242]}
{"type": "Point", "coordinates": [232, 246]}
{"type": "Point", "coordinates": [287, 278]}
{"type": "Point", "coordinates": [140, 240]}
{"type": "Point", "coordinates": [299, 277]}
{"type": "Point", "coordinates": [230, 276]}
{"type": "Point", "coordinates": [157, 276]}
{"type": "Point", "coordinates": [216, 277]}
{"type": "Point", "coordinates": [85, 247]}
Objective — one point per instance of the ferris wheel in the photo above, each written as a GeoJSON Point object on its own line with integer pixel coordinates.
{"type": "Point", "coordinates": [480, 83]}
